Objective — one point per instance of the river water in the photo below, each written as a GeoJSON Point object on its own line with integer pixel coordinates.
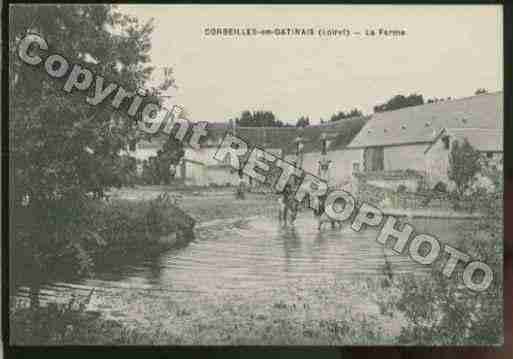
{"type": "Point", "coordinates": [253, 255]}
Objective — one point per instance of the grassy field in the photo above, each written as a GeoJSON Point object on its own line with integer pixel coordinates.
{"type": "Point", "coordinates": [300, 314]}
{"type": "Point", "coordinates": [208, 204]}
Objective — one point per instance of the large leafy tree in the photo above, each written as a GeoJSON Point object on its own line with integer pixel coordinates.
{"type": "Point", "coordinates": [61, 148]}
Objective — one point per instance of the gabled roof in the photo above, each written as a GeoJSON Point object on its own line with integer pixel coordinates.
{"type": "Point", "coordinates": [418, 124]}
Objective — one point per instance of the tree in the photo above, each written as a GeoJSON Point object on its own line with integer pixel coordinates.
{"type": "Point", "coordinates": [400, 101]}
{"type": "Point", "coordinates": [464, 164]}
{"type": "Point", "coordinates": [341, 115]}
{"type": "Point", "coordinates": [480, 91]}
{"type": "Point", "coordinates": [61, 148]}
{"type": "Point", "coordinates": [303, 121]}
{"type": "Point", "coordinates": [170, 155]}
{"type": "Point", "coordinates": [350, 129]}
{"type": "Point", "coordinates": [258, 119]}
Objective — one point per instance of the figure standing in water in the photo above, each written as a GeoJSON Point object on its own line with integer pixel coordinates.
{"type": "Point", "coordinates": [324, 173]}
{"type": "Point", "coordinates": [288, 205]}
{"type": "Point", "coordinates": [287, 201]}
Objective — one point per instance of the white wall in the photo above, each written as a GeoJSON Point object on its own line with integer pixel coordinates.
{"type": "Point", "coordinates": [437, 163]}
{"type": "Point", "coordinates": [204, 155]}
{"type": "Point", "coordinates": [405, 157]}
{"type": "Point", "coordinates": [343, 161]}
{"type": "Point", "coordinates": [341, 168]}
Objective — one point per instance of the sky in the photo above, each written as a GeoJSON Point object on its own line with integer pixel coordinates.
{"type": "Point", "coordinates": [448, 50]}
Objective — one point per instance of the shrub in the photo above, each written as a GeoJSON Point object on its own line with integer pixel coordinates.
{"type": "Point", "coordinates": [440, 187]}
{"type": "Point", "coordinates": [75, 240]}
{"type": "Point", "coordinates": [401, 188]}
{"type": "Point", "coordinates": [442, 311]}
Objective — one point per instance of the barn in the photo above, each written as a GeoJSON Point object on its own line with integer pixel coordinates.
{"type": "Point", "coordinates": [420, 138]}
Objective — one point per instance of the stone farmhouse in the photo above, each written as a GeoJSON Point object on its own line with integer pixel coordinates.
{"type": "Point", "coordinates": [420, 138]}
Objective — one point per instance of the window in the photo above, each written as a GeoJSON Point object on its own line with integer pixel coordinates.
{"type": "Point", "coordinates": [356, 167]}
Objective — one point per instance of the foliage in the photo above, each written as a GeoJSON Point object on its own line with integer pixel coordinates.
{"type": "Point", "coordinates": [86, 239]}
{"type": "Point", "coordinates": [400, 101]}
{"type": "Point", "coordinates": [290, 319]}
{"type": "Point", "coordinates": [63, 150]}
{"type": "Point", "coordinates": [464, 164]}
{"type": "Point", "coordinates": [65, 324]}
{"type": "Point", "coordinates": [161, 169]}
{"type": "Point", "coordinates": [350, 129]}
{"type": "Point", "coordinates": [341, 115]}
{"type": "Point", "coordinates": [62, 147]}
{"type": "Point", "coordinates": [442, 311]}
{"type": "Point", "coordinates": [401, 188]}
{"type": "Point", "coordinates": [440, 187]}
{"type": "Point", "coordinates": [303, 121]}
{"type": "Point", "coordinates": [258, 119]}
{"type": "Point", "coordinates": [436, 99]}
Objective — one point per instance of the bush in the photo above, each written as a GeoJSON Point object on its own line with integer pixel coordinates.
{"type": "Point", "coordinates": [64, 324]}
{"type": "Point", "coordinates": [73, 241]}
{"type": "Point", "coordinates": [128, 226]}
{"type": "Point", "coordinates": [401, 188]}
{"type": "Point", "coordinates": [442, 311]}
{"type": "Point", "coordinates": [440, 187]}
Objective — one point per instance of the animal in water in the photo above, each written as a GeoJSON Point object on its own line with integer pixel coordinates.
{"type": "Point", "coordinates": [282, 210]}
{"type": "Point", "coordinates": [322, 217]}
{"type": "Point", "coordinates": [287, 206]}
{"type": "Point", "coordinates": [287, 210]}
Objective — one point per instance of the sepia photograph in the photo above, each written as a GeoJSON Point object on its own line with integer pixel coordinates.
{"type": "Point", "coordinates": [254, 175]}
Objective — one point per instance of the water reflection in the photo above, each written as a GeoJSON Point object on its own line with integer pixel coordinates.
{"type": "Point", "coordinates": [291, 245]}
{"type": "Point", "coordinates": [259, 254]}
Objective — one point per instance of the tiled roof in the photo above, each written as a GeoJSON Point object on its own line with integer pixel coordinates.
{"type": "Point", "coordinates": [423, 123]}
{"type": "Point", "coordinates": [275, 137]}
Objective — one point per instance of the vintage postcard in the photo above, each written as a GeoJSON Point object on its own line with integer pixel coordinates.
{"type": "Point", "coordinates": [320, 175]}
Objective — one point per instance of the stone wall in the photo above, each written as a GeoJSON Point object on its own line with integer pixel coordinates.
{"type": "Point", "coordinates": [389, 198]}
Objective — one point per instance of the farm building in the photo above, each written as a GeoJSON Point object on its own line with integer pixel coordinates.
{"type": "Point", "coordinates": [420, 138]}
{"type": "Point", "coordinates": [199, 167]}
